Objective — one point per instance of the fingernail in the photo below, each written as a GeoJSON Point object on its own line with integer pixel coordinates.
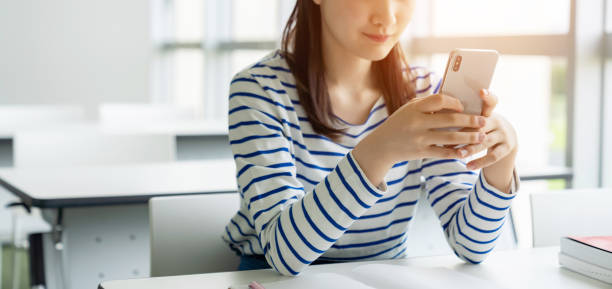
{"type": "Point", "coordinates": [482, 121]}
{"type": "Point", "coordinates": [462, 152]}
{"type": "Point", "coordinates": [485, 91]}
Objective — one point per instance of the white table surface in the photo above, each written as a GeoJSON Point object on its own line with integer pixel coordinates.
{"type": "Point", "coordinates": [98, 185]}
{"type": "Point", "coordinates": [177, 128]}
{"type": "Point", "coordinates": [524, 268]}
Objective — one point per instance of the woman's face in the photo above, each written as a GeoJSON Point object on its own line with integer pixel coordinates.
{"type": "Point", "coordinates": [366, 28]}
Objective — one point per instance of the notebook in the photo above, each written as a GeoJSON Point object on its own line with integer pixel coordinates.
{"type": "Point", "coordinates": [585, 268]}
{"type": "Point", "coordinates": [383, 276]}
{"type": "Point", "coordinates": [596, 250]}
{"type": "Point", "coordinates": [590, 256]}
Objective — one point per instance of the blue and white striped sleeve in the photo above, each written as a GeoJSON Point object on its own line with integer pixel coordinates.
{"type": "Point", "coordinates": [471, 211]}
{"type": "Point", "coordinates": [294, 226]}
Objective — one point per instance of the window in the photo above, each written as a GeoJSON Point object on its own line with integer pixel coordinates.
{"type": "Point", "coordinates": [483, 17]}
{"type": "Point", "coordinates": [607, 141]}
{"type": "Point", "coordinates": [530, 77]}
{"type": "Point", "coordinates": [530, 81]}
{"type": "Point", "coordinates": [255, 20]}
{"type": "Point", "coordinates": [187, 18]}
{"type": "Point", "coordinates": [534, 86]}
{"type": "Point", "coordinates": [201, 44]}
{"type": "Point", "coordinates": [609, 16]}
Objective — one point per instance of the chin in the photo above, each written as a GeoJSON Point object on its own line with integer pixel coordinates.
{"type": "Point", "coordinates": [374, 53]}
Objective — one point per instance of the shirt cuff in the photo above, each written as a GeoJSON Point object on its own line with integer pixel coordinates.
{"type": "Point", "coordinates": [380, 188]}
{"type": "Point", "coordinates": [515, 184]}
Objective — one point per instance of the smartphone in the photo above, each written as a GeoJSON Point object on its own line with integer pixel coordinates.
{"type": "Point", "coordinates": [467, 72]}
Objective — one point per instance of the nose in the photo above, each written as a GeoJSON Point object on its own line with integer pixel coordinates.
{"type": "Point", "coordinates": [383, 15]}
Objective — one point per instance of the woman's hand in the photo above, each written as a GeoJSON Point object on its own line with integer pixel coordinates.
{"type": "Point", "coordinates": [500, 141]}
{"type": "Point", "coordinates": [412, 132]}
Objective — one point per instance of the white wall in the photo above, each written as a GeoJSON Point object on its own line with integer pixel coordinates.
{"type": "Point", "coordinates": [74, 51]}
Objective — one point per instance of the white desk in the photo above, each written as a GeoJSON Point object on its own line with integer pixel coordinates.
{"type": "Point", "coordinates": [196, 139]}
{"type": "Point", "coordinates": [526, 268]}
{"type": "Point", "coordinates": [179, 128]}
{"type": "Point", "coordinates": [100, 214]}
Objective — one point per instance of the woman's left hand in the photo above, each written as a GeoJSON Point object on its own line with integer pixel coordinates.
{"type": "Point", "coordinates": [500, 141]}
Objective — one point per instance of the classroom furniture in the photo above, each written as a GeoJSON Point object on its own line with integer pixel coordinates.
{"type": "Point", "coordinates": [188, 249]}
{"type": "Point", "coordinates": [574, 212]}
{"type": "Point", "coordinates": [77, 145]}
{"type": "Point", "coordinates": [196, 137]}
{"type": "Point", "coordinates": [139, 114]}
{"type": "Point", "coordinates": [186, 234]}
{"type": "Point", "coordinates": [15, 118]}
{"type": "Point", "coordinates": [32, 116]}
{"type": "Point", "coordinates": [25, 117]}
{"type": "Point", "coordinates": [99, 214]}
{"type": "Point", "coordinates": [87, 146]}
{"type": "Point", "coordinates": [521, 268]}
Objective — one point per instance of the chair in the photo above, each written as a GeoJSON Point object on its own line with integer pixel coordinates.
{"type": "Point", "coordinates": [186, 234]}
{"type": "Point", "coordinates": [188, 248]}
{"type": "Point", "coordinates": [579, 212]}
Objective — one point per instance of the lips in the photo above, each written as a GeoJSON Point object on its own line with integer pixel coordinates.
{"type": "Point", "coordinates": [379, 38]}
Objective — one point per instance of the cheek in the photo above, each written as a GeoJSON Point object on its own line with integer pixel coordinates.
{"type": "Point", "coordinates": [344, 18]}
{"type": "Point", "coordinates": [404, 17]}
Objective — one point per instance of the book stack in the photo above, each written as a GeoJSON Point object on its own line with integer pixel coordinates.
{"type": "Point", "coordinates": [590, 256]}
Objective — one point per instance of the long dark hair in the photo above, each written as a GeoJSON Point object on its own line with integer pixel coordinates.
{"type": "Point", "coordinates": [301, 47]}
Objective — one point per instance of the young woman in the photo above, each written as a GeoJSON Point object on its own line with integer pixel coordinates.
{"type": "Point", "coordinates": [332, 134]}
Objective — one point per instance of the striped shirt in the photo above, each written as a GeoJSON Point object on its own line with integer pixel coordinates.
{"type": "Point", "coordinates": [304, 197]}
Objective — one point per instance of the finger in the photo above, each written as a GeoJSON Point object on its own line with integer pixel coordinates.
{"type": "Point", "coordinates": [494, 155]}
{"type": "Point", "coordinates": [492, 139]}
{"type": "Point", "coordinates": [470, 150]}
{"type": "Point", "coordinates": [470, 129]}
{"type": "Point", "coordinates": [441, 153]}
{"type": "Point", "coordinates": [454, 119]}
{"type": "Point", "coordinates": [465, 129]}
{"type": "Point", "coordinates": [489, 102]}
{"type": "Point", "coordinates": [490, 126]}
{"type": "Point", "coordinates": [438, 102]}
{"type": "Point", "coordinates": [453, 137]}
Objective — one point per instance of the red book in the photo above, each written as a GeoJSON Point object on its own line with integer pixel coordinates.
{"type": "Point", "coordinates": [596, 250]}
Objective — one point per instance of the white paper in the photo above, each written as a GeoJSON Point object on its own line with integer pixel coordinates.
{"type": "Point", "coordinates": [384, 276]}
{"type": "Point", "coordinates": [394, 276]}
{"type": "Point", "coordinates": [311, 281]}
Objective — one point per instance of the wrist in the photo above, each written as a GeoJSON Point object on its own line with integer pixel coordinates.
{"type": "Point", "coordinates": [374, 158]}
{"type": "Point", "coordinates": [500, 173]}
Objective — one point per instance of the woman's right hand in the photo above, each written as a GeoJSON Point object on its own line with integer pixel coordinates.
{"type": "Point", "coordinates": [412, 132]}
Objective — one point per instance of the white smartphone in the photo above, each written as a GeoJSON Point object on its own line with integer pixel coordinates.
{"type": "Point", "coordinates": [467, 72]}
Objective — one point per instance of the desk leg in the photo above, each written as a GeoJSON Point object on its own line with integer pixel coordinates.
{"type": "Point", "coordinates": [98, 243]}
{"type": "Point", "coordinates": [37, 268]}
